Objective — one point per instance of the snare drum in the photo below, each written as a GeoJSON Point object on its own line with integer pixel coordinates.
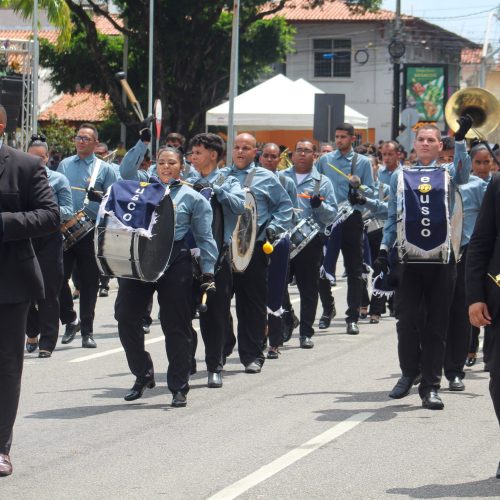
{"type": "Point", "coordinates": [127, 254]}
{"type": "Point", "coordinates": [372, 225]}
{"type": "Point", "coordinates": [301, 235]}
{"type": "Point", "coordinates": [76, 228]}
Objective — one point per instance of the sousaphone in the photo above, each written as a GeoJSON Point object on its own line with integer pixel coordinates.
{"type": "Point", "coordinates": [482, 106]}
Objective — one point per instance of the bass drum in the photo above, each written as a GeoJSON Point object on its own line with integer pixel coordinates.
{"type": "Point", "coordinates": [126, 254]}
{"type": "Point", "coordinates": [244, 235]}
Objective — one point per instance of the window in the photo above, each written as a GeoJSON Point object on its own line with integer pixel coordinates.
{"type": "Point", "coordinates": [332, 58]}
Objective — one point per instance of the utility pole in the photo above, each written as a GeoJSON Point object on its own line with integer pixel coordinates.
{"type": "Point", "coordinates": [233, 78]}
{"type": "Point", "coordinates": [36, 58]}
{"type": "Point", "coordinates": [396, 52]}
{"type": "Point", "coordinates": [150, 66]}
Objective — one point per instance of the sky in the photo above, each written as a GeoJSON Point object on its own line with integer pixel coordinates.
{"type": "Point", "coordinates": [465, 18]}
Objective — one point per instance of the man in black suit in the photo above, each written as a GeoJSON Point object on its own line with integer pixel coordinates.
{"type": "Point", "coordinates": [27, 210]}
{"type": "Point", "coordinates": [482, 278]}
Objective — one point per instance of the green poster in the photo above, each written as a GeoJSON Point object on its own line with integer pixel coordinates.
{"type": "Point", "coordinates": [425, 91]}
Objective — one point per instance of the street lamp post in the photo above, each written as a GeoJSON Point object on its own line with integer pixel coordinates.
{"type": "Point", "coordinates": [233, 78]}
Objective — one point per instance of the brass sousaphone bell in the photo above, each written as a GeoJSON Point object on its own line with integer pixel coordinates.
{"type": "Point", "coordinates": [482, 106]}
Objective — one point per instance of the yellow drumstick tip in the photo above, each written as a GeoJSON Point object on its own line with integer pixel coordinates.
{"type": "Point", "coordinates": [267, 248]}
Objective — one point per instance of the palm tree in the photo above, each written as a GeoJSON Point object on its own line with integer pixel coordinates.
{"type": "Point", "coordinates": [57, 11]}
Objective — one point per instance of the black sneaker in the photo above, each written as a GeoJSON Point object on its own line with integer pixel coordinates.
{"type": "Point", "coordinates": [103, 292]}
{"type": "Point", "coordinates": [179, 400]}
{"type": "Point", "coordinates": [88, 341]}
{"type": "Point", "coordinates": [71, 331]}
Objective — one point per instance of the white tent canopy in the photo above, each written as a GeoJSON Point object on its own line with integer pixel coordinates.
{"type": "Point", "coordinates": [277, 104]}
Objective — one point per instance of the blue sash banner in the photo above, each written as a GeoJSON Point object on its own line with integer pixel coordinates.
{"type": "Point", "coordinates": [424, 226]}
{"type": "Point", "coordinates": [132, 205]}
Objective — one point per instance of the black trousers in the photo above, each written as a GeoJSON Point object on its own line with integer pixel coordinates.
{"type": "Point", "coordinates": [423, 301]}
{"type": "Point", "coordinates": [215, 322]}
{"type": "Point", "coordinates": [84, 255]}
{"type": "Point", "coordinates": [459, 328]}
{"type": "Point", "coordinates": [305, 266]}
{"type": "Point", "coordinates": [43, 317]}
{"type": "Point", "coordinates": [352, 251]}
{"type": "Point", "coordinates": [250, 289]}
{"type": "Point", "coordinates": [174, 299]}
{"type": "Point", "coordinates": [12, 331]}
{"type": "Point", "coordinates": [492, 353]}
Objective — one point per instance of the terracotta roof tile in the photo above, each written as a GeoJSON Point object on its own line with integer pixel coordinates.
{"type": "Point", "coordinates": [471, 56]}
{"type": "Point", "coordinates": [102, 24]}
{"type": "Point", "coordinates": [299, 10]}
{"type": "Point", "coordinates": [83, 106]}
{"type": "Point", "coordinates": [27, 34]}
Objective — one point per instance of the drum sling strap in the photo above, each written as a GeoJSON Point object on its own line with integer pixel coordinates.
{"type": "Point", "coordinates": [353, 166]}
{"type": "Point", "coordinates": [93, 179]}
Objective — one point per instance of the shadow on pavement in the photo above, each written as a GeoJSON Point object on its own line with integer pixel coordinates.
{"type": "Point", "coordinates": [486, 488]}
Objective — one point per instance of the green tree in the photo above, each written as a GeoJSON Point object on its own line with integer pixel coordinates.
{"type": "Point", "coordinates": [59, 137]}
{"type": "Point", "coordinates": [191, 53]}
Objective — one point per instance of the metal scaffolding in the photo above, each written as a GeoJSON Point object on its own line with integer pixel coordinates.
{"type": "Point", "coordinates": [20, 53]}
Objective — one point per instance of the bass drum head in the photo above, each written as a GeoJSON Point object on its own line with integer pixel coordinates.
{"type": "Point", "coordinates": [154, 254]}
{"type": "Point", "coordinates": [245, 234]}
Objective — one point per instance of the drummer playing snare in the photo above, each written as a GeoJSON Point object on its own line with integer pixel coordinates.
{"type": "Point", "coordinates": [78, 169]}
{"type": "Point", "coordinates": [317, 203]}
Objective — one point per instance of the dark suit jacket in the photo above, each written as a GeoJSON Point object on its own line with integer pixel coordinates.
{"type": "Point", "coordinates": [483, 252]}
{"type": "Point", "coordinates": [29, 210]}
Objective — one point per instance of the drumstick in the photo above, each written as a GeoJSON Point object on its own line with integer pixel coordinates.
{"type": "Point", "coordinates": [203, 306]}
{"type": "Point", "coordinates": [348, 177]}
{"type": "Point", "coordinates": [83, 189]}
{"type": "Point", "coordinates": [308, 196]}
{"type": "Point", "coordinates": [120, 76]}
{"type": "Point", "coordinates": [185, 182]}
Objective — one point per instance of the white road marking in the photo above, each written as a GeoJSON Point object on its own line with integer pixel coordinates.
{"type": "Point", "coordinates": [269, 470]}
{"type": "Point", "coordinates": [153, 340]}
{"type": "Point", "coordinates": [113, 351]}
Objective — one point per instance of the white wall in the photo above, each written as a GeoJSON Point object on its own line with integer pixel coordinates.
{"type": "Point", "coordinates": [369, 90]}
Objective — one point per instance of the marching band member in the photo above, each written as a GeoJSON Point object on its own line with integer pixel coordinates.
{"type": "Point", "coordinates": [43, 317]}
{"type": "Point", "coordinates": [279, 327]}
{"type": "Point", "coordinates": [78, 169]}
{"type": "Point", "coordinates": [459, 329]}
{"type": "Point", "coordinates": [350, 163]}
{"type": "Point", "coordinates": [193, 212]}
{"type": "Point", "coordinates": [316, 198]}
{"type": "Point", "coordinates": [206, 151]}
{"type": "Point", "coordinates": [424, 291]}
{"type": "Point", "coordinates": [274, 215]}
{"type": "Point", "coordinates": [377, 204]}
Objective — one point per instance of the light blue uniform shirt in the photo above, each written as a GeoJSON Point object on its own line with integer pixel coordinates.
{"type": "Point", "coordinates": [458, 176]}
{"type": "Point", "coordinates": [384, 175]}
{"type": "Point", "coordinates": [62, 191]}
{"type": "Point", "coordinates": [326, 212]}
{"type": "Point", "coordinates": [116, 168]}
{"type": "Point", "coordinates": [193, 212]}
{"type": "Point", "coordinates": [472, 197]}
{"type": "Point", "coordinates": [363, 169]}
{"type": "Point", "coordinates": [289, 186]}
{"type": "Point", "coordinates": [229, 194]}
{"type": "Point", "coordinates": [129, 167]}
{"type": "Point", "coordinates": [78, 172]}
{"type": "Point", "coordinates": [377, 201]}
{"type": "Point", "coordinates": [274, 208]}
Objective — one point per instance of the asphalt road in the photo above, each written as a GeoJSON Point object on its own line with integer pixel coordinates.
{"type": "Point", "coordinates": [314, 424]}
